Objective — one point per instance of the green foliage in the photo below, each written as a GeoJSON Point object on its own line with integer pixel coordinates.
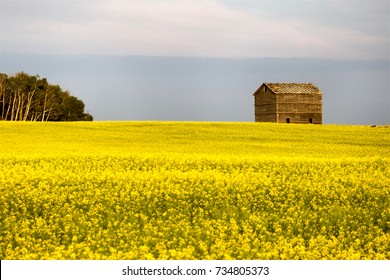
{"type": "Point", "coordinates": [31, 98]}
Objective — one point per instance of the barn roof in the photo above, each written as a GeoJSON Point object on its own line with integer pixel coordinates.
{"type": "Point", "coordinates": [282, 88]}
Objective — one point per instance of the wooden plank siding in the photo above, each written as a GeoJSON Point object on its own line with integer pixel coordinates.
{"type": "Point", "coordinates": [265, 107]}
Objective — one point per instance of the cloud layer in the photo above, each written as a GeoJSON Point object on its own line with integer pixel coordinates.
{"type": "Point", "coordinates": [207, 28]}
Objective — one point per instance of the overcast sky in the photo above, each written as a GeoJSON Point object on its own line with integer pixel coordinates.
{"type": "Point", "coordinates": [352, 29]}
{"type": "Point", "coordinates": [203, 59]}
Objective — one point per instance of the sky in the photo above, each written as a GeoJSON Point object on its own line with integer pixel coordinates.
{"type": "Point", "coordinates": [136, 55]}
{"type": "Point", "coordinates": [352, 29]}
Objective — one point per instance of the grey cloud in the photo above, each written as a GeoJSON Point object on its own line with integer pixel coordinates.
{"type": "Point", "coordinates": [199, 28]}
{"type": "Point", "coordinates": [27, 11]}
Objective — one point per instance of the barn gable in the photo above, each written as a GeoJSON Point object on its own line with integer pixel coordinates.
{"type": "Point", "coordinates": [288, 103]}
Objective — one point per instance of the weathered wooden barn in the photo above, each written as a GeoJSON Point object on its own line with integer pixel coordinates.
{"type": "Point", "coordinates": [288, 103]}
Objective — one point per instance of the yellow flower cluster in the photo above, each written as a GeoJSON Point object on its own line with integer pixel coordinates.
{"type": "Point", "coordinates": [166, 190]}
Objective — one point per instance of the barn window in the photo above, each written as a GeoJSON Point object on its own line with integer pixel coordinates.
{"type": "Point", "coordinates": [265, 89]}
{"type": "Point", "coordinates": [310, 120]}
{"type": "Point", "coordinates": [288, 120]}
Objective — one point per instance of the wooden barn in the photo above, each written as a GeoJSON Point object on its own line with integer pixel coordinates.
{"type": "Point", "coordinates": [288, 103]}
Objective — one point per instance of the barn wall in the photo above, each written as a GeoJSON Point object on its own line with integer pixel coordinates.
{"type": "Point", "coordinates": [265, 117]}
{"type": "Point", "coordinates": [300, 108]}
{"type": "Point", "coordinates": [265, 106]}
{"type": "Point", "coordinates": [300, 118]}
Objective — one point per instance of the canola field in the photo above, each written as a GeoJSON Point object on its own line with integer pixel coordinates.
{"type": "Point", "coordinates": [193, 190]}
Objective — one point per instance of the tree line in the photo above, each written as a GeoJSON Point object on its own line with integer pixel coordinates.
{"type": "Point", "coordinates": [24, 97]}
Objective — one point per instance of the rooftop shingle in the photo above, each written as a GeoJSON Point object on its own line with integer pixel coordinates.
{"type": "Point", "coordinates": [281, 88]}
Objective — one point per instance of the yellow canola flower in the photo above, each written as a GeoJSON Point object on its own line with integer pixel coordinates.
{"type": "Point", "coordinates": [166, 190]}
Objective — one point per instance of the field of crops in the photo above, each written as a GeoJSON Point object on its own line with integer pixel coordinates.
{"type": "Point", "coordinates": [192, 190]}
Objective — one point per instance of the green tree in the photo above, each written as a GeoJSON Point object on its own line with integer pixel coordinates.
{"type": "Point", "coordinates": [24, 97]}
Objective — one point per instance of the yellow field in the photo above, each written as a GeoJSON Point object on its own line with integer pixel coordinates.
{"type": "Point", "coordinates": [188, 190]}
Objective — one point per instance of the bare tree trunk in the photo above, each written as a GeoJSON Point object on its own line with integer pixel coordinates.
{"type": "Point", "coordinates": [21, 102]}
{"type": "Point", "coordinates": [9, 107]}
{"type": "Point", "coordinates": [48, 113]}
{"type": "Point", "coordinates": [3, 106]}
{"type": "Point", "coordinates": [36, 116]}
{"type": "Point", "coordinates": [29, 101]}
{"type": "Point", "coordinates": [18, 115]}
{"type": "Point", "coordinates": [3, 84]}
{"type": "Point", "coordinates": [13, 106]}
{"type": "Point", "coordinates": [46, 110]}
{"type": "Point", "coordinates": [44, 106]}
{"type": "Point", "coordinates": [3, 113]}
